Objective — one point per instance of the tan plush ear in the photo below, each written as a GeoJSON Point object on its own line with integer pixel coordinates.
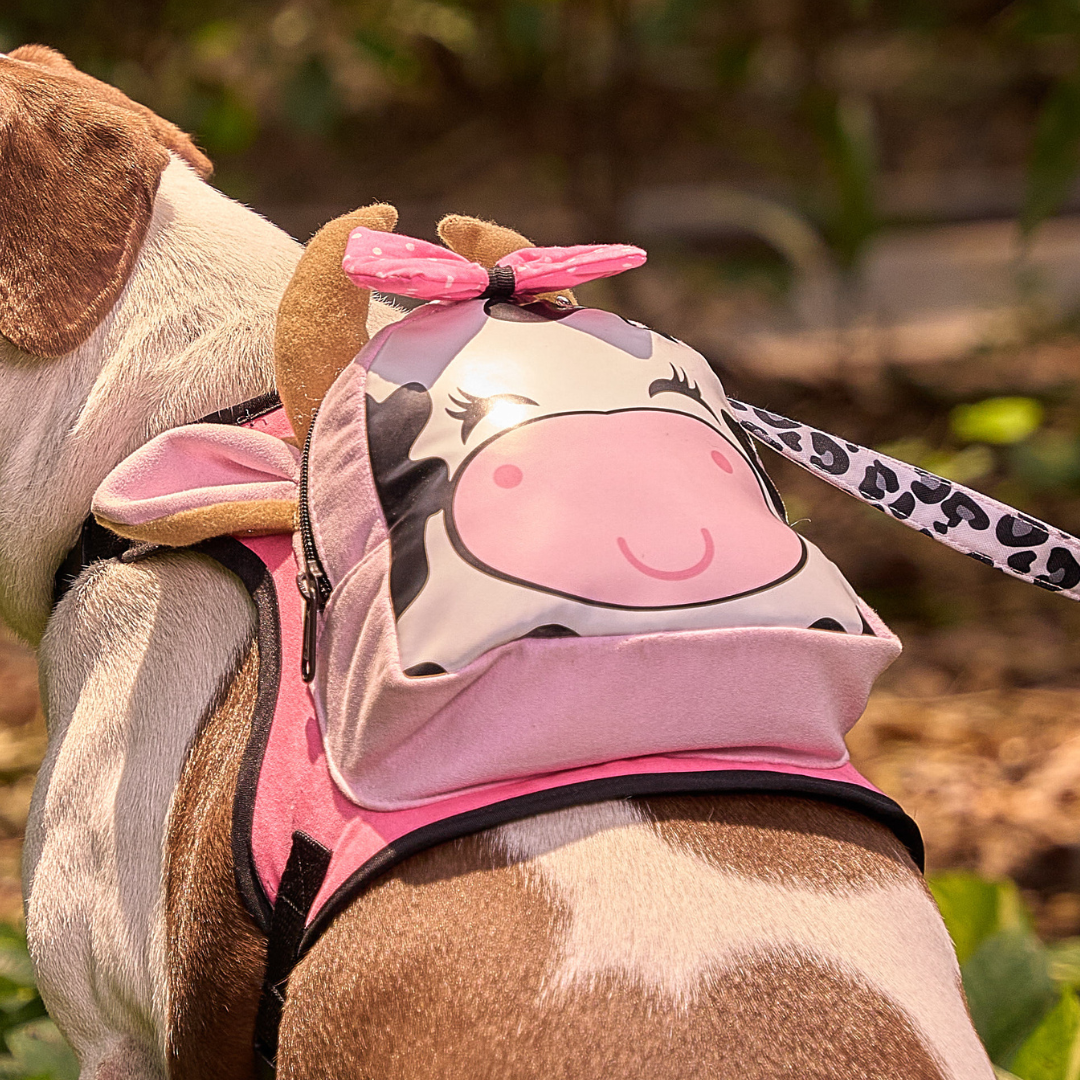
{"type": "Point", "coordinates": [78, 178]}
{"type": "Point", "coordinates": [322, 318]}
{"type": "Point", "coordinates": [169, 135]}
{"type": "Point", "coordinates": [485, 243]}
{"type": "Point", "coordinates": [259, 517]}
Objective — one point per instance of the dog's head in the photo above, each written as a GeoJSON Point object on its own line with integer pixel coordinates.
{"type": "Point", "coordinates": [81, 163]}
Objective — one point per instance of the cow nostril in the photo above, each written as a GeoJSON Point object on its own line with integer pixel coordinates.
{"type": "Point", "coordinates": [507, 476]}
{"type": "Point", "coordinates": [722, 461]}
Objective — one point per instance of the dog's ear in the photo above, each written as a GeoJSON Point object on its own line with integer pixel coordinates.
{"type": "Point", "coordinates": [169, 135]}
{"type": "Point", "coordinates": [78, 176]}
{"type": "Point", "coordinates": [322, 318]}
{"type": "Point", "coordinates": [484, 242]}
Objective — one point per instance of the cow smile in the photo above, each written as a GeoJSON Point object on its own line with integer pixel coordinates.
{"type": "Point", "coordinates": [671, 575]}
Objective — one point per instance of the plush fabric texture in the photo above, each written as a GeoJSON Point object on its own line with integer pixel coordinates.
{"type": "Point", "coordinates": [76, 193]}
{"type": "Point", "coordinates": [409, 267]}
{"type": "Point", "coordinates": [203, 480]}
{"type": "Point", "coordinates": [322, 319]}
{"type": "Point", "coordinates": [256, 518]}
{"type": "Point", "coordinates": [485, 242]}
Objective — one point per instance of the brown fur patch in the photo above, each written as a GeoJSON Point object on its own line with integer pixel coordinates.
{"type": "Point", "coordinates": [216, 954]}
{"type": "Point", "coordinates": [322, 318]}
{"type": "Point", "coordinates": [166, 133]}
{"type": "Point", "coordinates": [77, 190]}
{"type": "Point", "coordinates": [796, 842]}
{"type": "Point", "coordinates": [439, 972]}
{"type": "Point", "coordinates": [257, 517]}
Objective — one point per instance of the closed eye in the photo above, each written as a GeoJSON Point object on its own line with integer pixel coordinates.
{"type": "Point", "coordinates": [680, 384]}
{"type": "Point", "coordinates": [474, 409]}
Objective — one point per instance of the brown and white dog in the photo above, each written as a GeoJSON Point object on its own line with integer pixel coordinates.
{"type": "Point", "coordinates": [750, 937]}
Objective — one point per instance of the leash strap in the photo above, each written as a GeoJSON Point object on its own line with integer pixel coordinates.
{"type": "Point", "coordinates": [300, 883]}
{"type": "Point", "coordinates": [967, 521]}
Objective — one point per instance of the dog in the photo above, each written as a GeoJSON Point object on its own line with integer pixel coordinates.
{"type": "Point", "coordinates": [721, 936]}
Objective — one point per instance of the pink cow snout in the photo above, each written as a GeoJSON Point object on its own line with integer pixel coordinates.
{"type": "Point", "coordinates": [642, 508]}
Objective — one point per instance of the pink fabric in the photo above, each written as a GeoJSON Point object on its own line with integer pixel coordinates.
{"type": "Point", "coordinates": [296, 790]}
{"type": "Point", "coordinates": [390, 262]}
{"type": "Point", "coordinates": [197, 466]}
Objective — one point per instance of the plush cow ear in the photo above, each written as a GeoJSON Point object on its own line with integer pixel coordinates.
{"type": "Point", "coordinates": [199, 481]}
{"type": "Point", "coordinates": [78, 177]}
{"type": "Point", "coordinates": [322, 318]}
{"type": "Point", "coordinates": [485, 243]}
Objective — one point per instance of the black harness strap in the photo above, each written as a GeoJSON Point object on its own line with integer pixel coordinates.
{"type": "Point", "coordinates": [300, 884]}
{"type": "Point", "coordinates": [95, 543]}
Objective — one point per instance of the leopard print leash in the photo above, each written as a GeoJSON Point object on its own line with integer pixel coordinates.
{"type": "Point", "coordinates": [966, 520]}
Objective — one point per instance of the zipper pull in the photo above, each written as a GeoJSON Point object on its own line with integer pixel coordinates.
{"type": "Point", "coordinates": [308, 584]}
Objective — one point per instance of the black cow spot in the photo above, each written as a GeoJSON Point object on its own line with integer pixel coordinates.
{"type": "Point", "coordinates": [1063, 571]}
{"type": "Point", "coordinates": [1019, 531]}
{"type": "Point", "coordinates": [1021, 561]}
{"type": "Point", "coordinates": [409, 491]}
{"type": "Point", "coordinates": [903, 507]}
{"type": "Point", "coordinates": [828, 624]}
{"type": "Point", "coordinates": [878, 481]}
{"type": "Point", "coordinates": [866, 627]}
{"type": "Point", "coordinates": [792, 439]}
{"type": "Point", "coordinates": [930, 489]}
{"type": "Point", "coordinates": [551, 630]}
{"type": "Point", "coordinates": [831, 456]}
{"type": "Point", "coordinates": [744, 440]}
{"type": "Point", "coordinates": [960, 507]}
{"type": "Point", "coordinates": [774, 421]}
{"type": "Point", "coordinates": [417, 671]}
{"type": "Point", "coordinates": [854, 448]}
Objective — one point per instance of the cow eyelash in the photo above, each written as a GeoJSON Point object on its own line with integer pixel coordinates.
{"type": "Point", "coordinates": [680, 384]}
{"type": "Point", "coordinates": [474, 409]}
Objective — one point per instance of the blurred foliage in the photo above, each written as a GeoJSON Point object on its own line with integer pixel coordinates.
{"type": "Point", "coordinates": [1022, 993]}
{"type": "Point", "coordinates": [30, 1046]}
{"type": "Point", "coordinates": [593, 98]}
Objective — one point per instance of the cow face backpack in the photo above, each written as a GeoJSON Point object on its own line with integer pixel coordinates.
{"type": "Point", "coordinates": [525, 555]}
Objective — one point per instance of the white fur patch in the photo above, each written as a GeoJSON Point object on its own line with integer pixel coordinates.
{"type": "Point", "coordinates": [668, 921]}
{"type": "Point", "coordinates": [127, 677]}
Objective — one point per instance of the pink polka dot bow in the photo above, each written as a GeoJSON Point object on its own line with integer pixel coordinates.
{"type": "Point", "coordinates": [391, 263]}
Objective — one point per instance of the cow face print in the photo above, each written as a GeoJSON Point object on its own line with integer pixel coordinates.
{"type": "Point", "coordinates": [581, 472]}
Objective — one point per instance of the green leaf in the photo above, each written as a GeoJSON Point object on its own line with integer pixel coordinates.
{"type": "Point", "coordinates": [1055, 155]}
{"type": "Point", "coordinates": [1009, 990]}
{"type": "Point", "coordinates": [998, 420]}
{"type": "Point", "coordinates": [39, 1050]}
{"type": "Point", "coordinates": [1052, 1050]}
{"type": "Point", "coordinates": [974, 909]}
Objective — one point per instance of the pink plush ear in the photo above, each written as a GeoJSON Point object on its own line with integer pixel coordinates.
{"type": "Point", "coordinates": [199, 481]}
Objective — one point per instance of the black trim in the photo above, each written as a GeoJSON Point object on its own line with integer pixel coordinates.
{"type": "Point", "coordinates": [304, 874]}
{"type": "Point", "coordinates": [251, 570]}
{"type": "Point", "coordinates": [95, 542]}
{"type": "Point", "coordinates": [873, 804]}
{"type": "Point", "coordinates": [246, 411]}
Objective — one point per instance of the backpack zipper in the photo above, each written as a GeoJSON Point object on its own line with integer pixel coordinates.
{"type": "Point", "coordinates": [312, 581]}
